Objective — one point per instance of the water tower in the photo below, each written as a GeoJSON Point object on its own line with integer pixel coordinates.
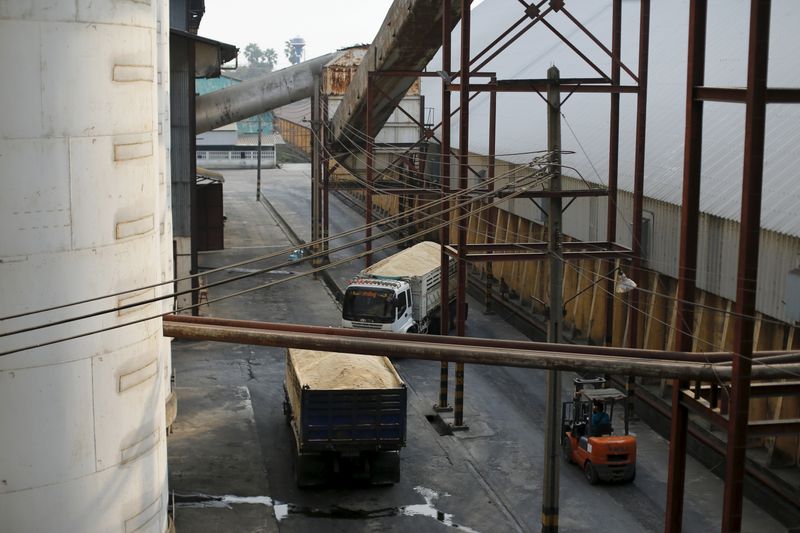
{"type": "Point", "coordinates": [298, 50]}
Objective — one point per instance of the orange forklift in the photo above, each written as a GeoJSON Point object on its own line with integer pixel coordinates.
{"type": "Point", "coordinates": [595, 447]}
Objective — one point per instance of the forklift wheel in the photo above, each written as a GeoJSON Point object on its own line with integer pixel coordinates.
{"type": "Point", "coordinates": [566, 450]}
{"type": "Point", "coordinates": [590, 473]}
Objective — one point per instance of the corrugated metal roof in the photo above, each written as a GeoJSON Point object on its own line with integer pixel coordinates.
{"type": "Point", "coordinates": [521, 117]}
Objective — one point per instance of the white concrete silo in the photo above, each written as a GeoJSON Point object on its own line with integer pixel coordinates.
{"type": "Point", "coordinates": [83, 213]}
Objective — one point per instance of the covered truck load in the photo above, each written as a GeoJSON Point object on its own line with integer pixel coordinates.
{"type": "Point", "coordinates": [347, 413]}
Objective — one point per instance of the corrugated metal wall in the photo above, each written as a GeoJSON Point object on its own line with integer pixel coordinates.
{"type": "Point", "coordinates": [718, 245]}
{"type": "Point", "coordinates": [182, 83]}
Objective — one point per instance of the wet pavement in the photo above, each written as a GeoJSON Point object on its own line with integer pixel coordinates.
{"type": "Point", "coordinates": [230, 453]}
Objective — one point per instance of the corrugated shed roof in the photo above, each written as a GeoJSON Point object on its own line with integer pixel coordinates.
{"type": "Point", "coordinates": [521, 117]}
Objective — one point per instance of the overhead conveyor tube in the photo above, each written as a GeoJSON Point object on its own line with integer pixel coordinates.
{"type": "Point", "coordinates": [256, 96]}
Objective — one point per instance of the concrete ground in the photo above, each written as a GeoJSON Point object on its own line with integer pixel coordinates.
{"type": "Point", "coordinates": [230, 453]}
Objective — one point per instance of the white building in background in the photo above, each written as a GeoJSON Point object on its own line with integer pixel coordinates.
{"type": "Point", "coordinates": [521, 119]}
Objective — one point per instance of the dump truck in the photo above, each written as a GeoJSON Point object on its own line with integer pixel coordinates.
{"type": "Point", "coordinates": [400, 293]}
{"type": "Point", "coordinates": [588, 435]}
{"type": "Point", "coordinates": [347, 413]}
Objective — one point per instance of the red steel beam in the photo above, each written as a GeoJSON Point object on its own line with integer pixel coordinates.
{"type": "Point", "coordinates": [463, 149]}
{"type": "Point", "coordinates": [616, 61]}
{"type": "Point", "coordinates": [370, 170]}
{"type": "Point", "coordinates": [638, 170]}
{"type": "Point", "coordinates": [613, 164]}
{"type": "Point", "coordinates": [539, 256]}
{"type": "Point", "coordinates": [747, 277]}
{"type": "Point", "coordinates": [757, 428]}
{"type": "Point", "coordinates": [528, 86]}
{"type": "Point", "coordinates": [739, 95]}
{"type": "Point", "coordinates": [535, 15]}
{"type": "Point", "coordinates": [687, 262]}
{"type": "Point", "coordinates": [595, 246]}
{"type": "Point", "coordinates": [444, 179]}
{"type": "Point", "coordinates": [491, 214]}
{"type": "Point", "coordinates": [567, 193]}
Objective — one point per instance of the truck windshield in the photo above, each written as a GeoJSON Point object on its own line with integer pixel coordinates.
{"type": "Point", "coordinates": [376, 305]}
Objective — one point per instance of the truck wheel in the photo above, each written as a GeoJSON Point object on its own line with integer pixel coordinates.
{"type": "Point", "coordinates": [590, 473]}
{"type": "Point", "coordinates": [632, 476]}
{"type": "Point", "coordinates": [566, 450]}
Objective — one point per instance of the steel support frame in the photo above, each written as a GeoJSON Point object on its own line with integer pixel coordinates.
{"type": "Point", "coordinates": [444, 183]}
{"type": "Point", "coordinates": [687, 263]}
{"type": "Point", "coordinates": [747, 277]}
{"type": "Point", "coordinates": [468, 69]}
{"type": "Point", "coordinates": [370, 170]}
{"type": "Point", "coordinates": [463, 163]}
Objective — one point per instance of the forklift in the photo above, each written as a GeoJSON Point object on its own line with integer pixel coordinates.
{"type": "Point", "coordinates": [602, 453]}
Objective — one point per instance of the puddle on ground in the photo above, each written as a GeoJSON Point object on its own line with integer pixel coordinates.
{"type": "Point", "coordinates": [284, 511]}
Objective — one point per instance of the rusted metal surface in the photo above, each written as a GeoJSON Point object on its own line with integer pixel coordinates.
{"type": "Point", "coordinates": [638, 169]}
{"type": "Point", "coordinates": [747, 278]}
{"type": "Point", "coordinates": [463, 164]}
{"type": "Point", "coordinates": [690, 215]}
{"type": "Point", "coordinates": [444, 181]}
{"type": "Point", "coordinates": [776, 487]}
{"type": "Point", "coordinates": [412, 348]}
{"type": "Point", "coordinates": [491, 215]}
{"type": "Point", "coordinates": [370, 129]}
{"type": "Point", "coordinates": [732, 94]}
{"type": "Point", "coordinates": [409, 37]}
{"type": "Point", "coordinates": [526, 86]}
{"type": "Point", "coordinates": [613, 164]}
{"type": "Point", "coordinates": [338, 73]}
{"type": "Point", "coordinates": [718, 358]}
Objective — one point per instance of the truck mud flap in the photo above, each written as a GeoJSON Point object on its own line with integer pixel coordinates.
{"type": "Point", "coordinates": [311, 470]}
{"type": "Point", "coordinates": [384, 468]}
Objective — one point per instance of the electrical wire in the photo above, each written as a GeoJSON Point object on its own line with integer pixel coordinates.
{"type": "Point", "coordinates": [261, 271]}
{"type": "Point", "coordinates": [266, 285]}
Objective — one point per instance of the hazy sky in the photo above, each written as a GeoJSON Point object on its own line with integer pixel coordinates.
{"type": "Point", "coordinates": [326, 25]}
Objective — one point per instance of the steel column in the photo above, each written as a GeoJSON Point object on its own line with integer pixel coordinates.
{"type": "Point", "coordinates": [491, 213]}
{"type": "Point", "coordinates": [687, 269]}
{"type": "Point", "coordinates": [747, 278]}
{"type": "Point", "coordinates": [613, 163]}
{"type": "Point", "coordinates": [370, 170]}
{"type": "Point", "coordinates": [444, 183]}
{"type": "Point", "coordinates": [326, 178]}
{"type": "Point", "coordinates": [316, 167]}
{"type": "Point", "coordinates": [638, 171]}
{"type": "Point", "coordinates": [463, 157]}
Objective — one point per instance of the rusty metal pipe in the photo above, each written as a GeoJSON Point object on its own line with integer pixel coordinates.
{"type": "Point", "coordinates": [414, 347]}
{"type": "Point", "coordinates": [707, 357]}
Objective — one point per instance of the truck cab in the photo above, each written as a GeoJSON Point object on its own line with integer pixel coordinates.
{"type": "Point", "coordinates": [378, 304]}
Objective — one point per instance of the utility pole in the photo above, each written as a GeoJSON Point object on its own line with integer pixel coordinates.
{"type": "Point", "coordinates": [552, 427]}
{"type": "Point", "coordinates": [258, 168]}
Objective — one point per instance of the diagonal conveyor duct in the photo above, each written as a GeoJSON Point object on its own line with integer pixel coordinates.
{"type": "Point", "coordinates": [408, 39]}
{"type": "Point", "coordinates": [256, 96]}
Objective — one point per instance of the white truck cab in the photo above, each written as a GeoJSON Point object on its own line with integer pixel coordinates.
{"type": "Point", "coordinates": [400, 293]}
{"type": "Point", "coordinates": [380, 304]}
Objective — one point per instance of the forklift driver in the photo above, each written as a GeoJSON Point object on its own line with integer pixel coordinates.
{"type": "Point", "coordinates": [601, 423]}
